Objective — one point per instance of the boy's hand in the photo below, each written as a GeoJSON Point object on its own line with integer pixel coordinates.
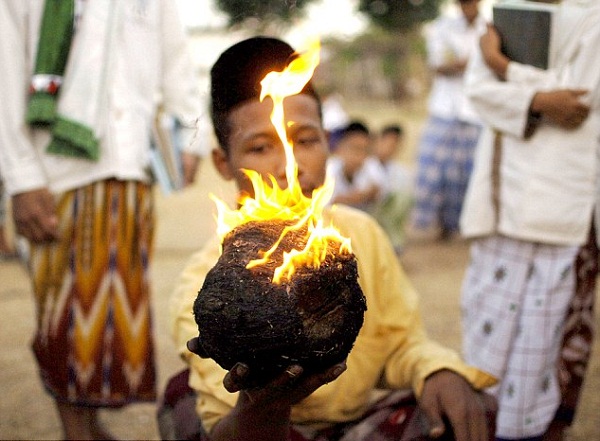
{"type": "Point", "coordinates": [287, 389]}
{"type": "Point", "coordinates": [563, 107]}
{"type": "Point", "coordinates": [447, 394]}
{"type": "Point", "coordinates": [292, 385]}
{"type": "Point", "coordinates": [263, 414]}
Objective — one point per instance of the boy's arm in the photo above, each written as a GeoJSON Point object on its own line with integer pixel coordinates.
{"type": "Point", "coordinates": [440, 57]}
{"type": "Point", "coordinates": [444, 384]}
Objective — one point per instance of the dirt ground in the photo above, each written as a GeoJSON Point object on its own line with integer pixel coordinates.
{"type": "Point", "coordinates": [185, 221]}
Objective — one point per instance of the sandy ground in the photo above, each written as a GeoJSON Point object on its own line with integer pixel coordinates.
{"type": "Point", "coordinates": [185, 220]}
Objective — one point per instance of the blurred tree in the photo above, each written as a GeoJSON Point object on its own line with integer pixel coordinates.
{"type": "Point", "coordinates": [400, 15]}
{"type": "Point", "coordinates": [262, 12]}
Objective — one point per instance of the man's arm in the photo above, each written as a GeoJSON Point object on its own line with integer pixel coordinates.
{"type": "Point", "coordinates": [33, 205]}
{"type": "Point", "coordinates": [21, 168]}
{"type": "Point", "coordinates": [561, 106]}
{"type": "Point", "coordinates": [180, 94]}
{"type": "Point", "coordinates": [440, 56]}
{"type": "Point", "coordinates": [513, 98]}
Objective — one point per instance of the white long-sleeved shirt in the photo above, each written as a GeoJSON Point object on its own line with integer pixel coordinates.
{"type": "Point", "coordinates": [151, 59]}
{"type": "Point", "coordinates": [451, 38]}
{"type": "Point", "coordinates": [547, 183]}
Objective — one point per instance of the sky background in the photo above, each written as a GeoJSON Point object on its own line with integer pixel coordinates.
{"type": "Point", "coordinates": [324, 17]}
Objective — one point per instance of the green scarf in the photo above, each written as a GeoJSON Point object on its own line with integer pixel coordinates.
{"type": "Point", "coordinates": [69, 137]}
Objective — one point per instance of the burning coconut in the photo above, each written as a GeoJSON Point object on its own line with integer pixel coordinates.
{"type": "Point", "coordinates": [285, 289]}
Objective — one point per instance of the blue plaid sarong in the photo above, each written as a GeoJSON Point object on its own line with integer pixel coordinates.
{"type": "Point", "coordinates": [443, 169]}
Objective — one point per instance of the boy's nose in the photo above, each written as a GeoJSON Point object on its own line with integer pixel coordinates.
{"type": "Point", "coordinates": [280, 170]}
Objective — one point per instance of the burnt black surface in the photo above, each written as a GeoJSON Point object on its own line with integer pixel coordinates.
{"type": "Point", "coordinates": [312, 320]}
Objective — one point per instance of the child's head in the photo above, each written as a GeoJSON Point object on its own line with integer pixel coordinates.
{"type": "Point", "coordinates": [247, 138]}
{"type": "Point", "coordinates": [469, 8]}
{"type": "Point", "coordinates": [353, 146]}
{"type": "Point", "coordinates": [388, 143]}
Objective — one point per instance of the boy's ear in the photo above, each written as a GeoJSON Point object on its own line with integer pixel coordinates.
{"type": "Point", "coordinates": [221, 163]}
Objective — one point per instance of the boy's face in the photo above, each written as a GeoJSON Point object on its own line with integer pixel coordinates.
{"type": "Point", "coordinates": [354, 149]}
{"type": "Point", "coordinates": [387, 146]}
{"type": "Point", "coordinates": [255, 145]}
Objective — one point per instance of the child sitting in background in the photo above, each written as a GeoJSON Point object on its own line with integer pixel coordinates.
{"type": "Point", "coordinates": [393, 207]}
{"type": "Point", "coordinates": [359, 179]}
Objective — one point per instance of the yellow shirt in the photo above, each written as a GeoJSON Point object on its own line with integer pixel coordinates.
{"type": "Point", "coordinates": [392, 345]}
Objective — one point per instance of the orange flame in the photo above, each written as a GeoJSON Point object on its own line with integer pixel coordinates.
{"type": "Point", "coordinates": [288, 204]}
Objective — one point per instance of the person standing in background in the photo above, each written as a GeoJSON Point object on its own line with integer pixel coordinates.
{"type": "Point", "coordinates": [446, 149]}
{"type": "Point", "coordinates": [80, 79]}
{"type": "Point", "coordinates": [529, 290]}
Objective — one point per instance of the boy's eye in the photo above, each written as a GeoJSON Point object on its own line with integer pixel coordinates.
{"type": "Point", "coordinates": [258, 148]}
{"type": "Point", "coordinates": [307, 141]}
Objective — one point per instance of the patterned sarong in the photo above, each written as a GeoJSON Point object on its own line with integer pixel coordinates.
{"type": "Point", "coordinates": [515, 299]}
{"type": "Point", "coordinates": [579, 331]}
{"type": "Point", "coordinates": [93, 341]}
{"type": "Point", "coordinates": [443, 169]}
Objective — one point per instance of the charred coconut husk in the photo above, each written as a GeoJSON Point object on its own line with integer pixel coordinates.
{"type": "Point", "coordinates": [312, 319]}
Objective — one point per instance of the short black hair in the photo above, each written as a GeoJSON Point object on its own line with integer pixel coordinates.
{"type": "Point", "coordinates": [355, 127]}
{"type": "Point", "coordinates": [395, 129]}
{"type": "Point", "coordinates": [236, 76]}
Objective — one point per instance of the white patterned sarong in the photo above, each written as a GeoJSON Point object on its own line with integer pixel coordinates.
{"type": "Point", "coordinates": [514, 301]}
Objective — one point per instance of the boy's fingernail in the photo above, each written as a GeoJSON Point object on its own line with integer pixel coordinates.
{"type": "Point", "coordinates": [339, 370]}
{"type": "Point", "coordinates": [241, 370]}
{"type": "Point", "coordinates": [293, 371]}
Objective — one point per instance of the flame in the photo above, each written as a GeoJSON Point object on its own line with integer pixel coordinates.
{"type": "Point", "coordinates": [287, 204]}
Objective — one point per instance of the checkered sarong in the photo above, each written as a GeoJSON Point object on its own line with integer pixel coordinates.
{"type": "Point", "coordinates": [514, 301]}
{"type": "Point", "coordinates": [443, 169]}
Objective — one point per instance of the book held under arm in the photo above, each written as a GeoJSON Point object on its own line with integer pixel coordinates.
{"type": "Point", "coordinates": [525, 28]}
{"type": "Point", "coordinates": [165, 155]}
